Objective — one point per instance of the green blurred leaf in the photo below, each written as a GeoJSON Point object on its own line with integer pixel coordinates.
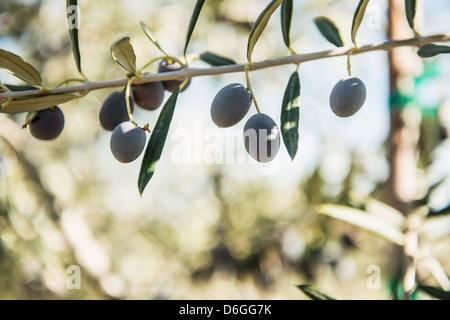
{"type": "Point", "coordinates": [72, 22]}
{"type": "Point", "coordinates": [329, 30]}
{"type": "Point", "coordinates": [215, 60]}
{"type": "Point", "coordinates": [260, 25]}
{"type": "Point", "coordinates": [156, 143]}
{"type": "Point", "coordinates": [410, 7]}
{"type": "Point", "coordinates": [363, 220]}
{"type": "Point", "coordinates": [436, 227]}
{"type": "Point", "coordinates": [151, 37]}
{"type": "Point", "coordinates": [36, 103]}
{"type": "Point", "coordinates": [286, 21]}
{"type": "Point", "coordinates": [435, 292]}
{"type": "Point", "coordinates": [123, 53]}
{"type": "Point", "coordinates": [385, 212]}
{"type": "Point", "coordinates": [290, 114]}
{"type": "Point", "coordinates": [193, 22]}
{"type": "Point", "coordinates": [358, 17]}
{"type": "Point", "coordinates": [431, 50]}
{"type": "Point", "coordinates": [19, 68]}
{"type": "Point", "coordinates": [442, 212]}
{"type": "Point", "coordinates": [316, 293]}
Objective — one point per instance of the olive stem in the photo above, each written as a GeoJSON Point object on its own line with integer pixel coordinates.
{"type": "Point", "coordinates": [183, 84]}
{"type": "Point", "coordinates": [349, 65]}
{"type": "Point", "coordinates": [150, 62]}
{"type": "Point", "coordinates": [249, 87]}
{"type": "Point", "coordinates": [127, 101]}
{"type": "Point", "coordinates": [196, 72]}
{"type": "Point", "coordinates": [5, 88]}
{"type": "Point", "coordinates": [67, 81]}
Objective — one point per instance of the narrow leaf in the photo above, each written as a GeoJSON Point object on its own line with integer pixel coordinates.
{"type": "Point", "coordinates": [73, 20]}
{"type": "Point", "coordinates": [286, 21]}
{"type": "Point", "coordinates": [437, 270]}
{"type": "Point", "coordinates": [363, 220]}
{"type": "Point", "coordinates": [316, 293]}
{"type": "Point", "coordinates": [151, 37]}
{"type": "Point", "coordinates": [13, 87]}
{"type": "Point", "coordinates": [358, 17]}
{"type": "Point", "coordinates": [290, 115]}
{"type": "Point", "coordinates": [441, 212]}
{"type": "Point", "coordinates": [431, 50]}
{"type": "Point", "coordinates": [436, 292]}
{"type": "Point", "coordinates": [123, 53]}
{"type": "Point", "coordinates": [215, 60]}
{"type": "Point", "coordinates": [156, 143]}
{"type": "Point", "coordinates": [36, 103]}
{"type": "Point", "coordinates": [410, 7]}
{"type": "Point", "coordinates": [19, 68]}
{"type": "Point", "coordinates": [260, 25]}
{"type": "Point", "coordinates": [385, 212]}
{"type": "Point", "coordinates": [193, 22]}
{"type": "Point", "coordinates": [329, 30]}
{"type": "Point", "coordinates": [436, 227]}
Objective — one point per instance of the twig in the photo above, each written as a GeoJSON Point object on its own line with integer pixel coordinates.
{"type": "Point", "coordinates": [196, 72]}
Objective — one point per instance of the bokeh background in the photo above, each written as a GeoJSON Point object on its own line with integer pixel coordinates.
{"type": "Point", "coordinates": [210, 227]}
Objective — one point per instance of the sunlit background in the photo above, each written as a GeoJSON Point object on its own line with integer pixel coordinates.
{"type": "Point", "coordinates": [207, 226]}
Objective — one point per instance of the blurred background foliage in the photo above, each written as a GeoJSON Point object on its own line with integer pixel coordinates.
{"type": "Point", "coordinates": [217, 231]}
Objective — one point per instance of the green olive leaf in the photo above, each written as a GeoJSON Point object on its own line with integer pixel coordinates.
{"type": "Point", "coordinates": [435, 292]}
{"type": "Point", "coordinates": [156, 143]}
{"type": "Point", "coordinates": [13, 87]}
{"type": "Point", "coordinates": [286, 21]}
{"type": "Point", "coordinates": [193, 22]}
{"type": "Point", "coordinates": [290, 114]}
{"type": "Point", "coordinates": [215, 60]}
{"type": "Point", "coordinates": [123, 53]}
{"type": "Point", "coordinates": [329, 30]}
{"type": "Point", "coordinates": [36, 103]}
{"type": "Point", "coordinates": [410, 8]}
{"type": "Point", "coordinates": [260, 25]}
{"type": "Point", "coordinates": [73, 20]}
{"type": "Point", "coordinates": [431, 50]}
{"type": "Point", "coordinates": [20, 68]}
{"type": "Point", "coordinates": [316, 293]}
{"type": "Point", "coordinates": [364, 220]}
{"type": "Point", "coordinates": [151, 37]}
{"type": "Point", "coordinates": [358, 17]}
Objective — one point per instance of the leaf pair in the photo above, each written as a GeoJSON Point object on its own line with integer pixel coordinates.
{"type": "Point", "coordinates": [26, 72]}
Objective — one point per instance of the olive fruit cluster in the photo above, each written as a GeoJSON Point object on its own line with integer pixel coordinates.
{"type": "Point", "coordinates": [128, 140]}
{"type": "Point", "coordinates": [347, 96]}
{"type": "Point", "coordinates": [149, 96]}
{"type": "Point", "coordinates": [172, 85]}
{"type": "Point", "coordinates": [261, 134]}
{"type": "Point", "coordinates": [47, 124]}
